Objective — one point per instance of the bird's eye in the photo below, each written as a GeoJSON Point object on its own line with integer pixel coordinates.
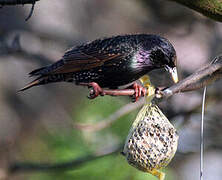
{"type": "Point", "coordinates": [174, 59]}
{"type": "Point", "coordinates": [158, 54]}
{"type": "Point", "coordinates": [158, 57]}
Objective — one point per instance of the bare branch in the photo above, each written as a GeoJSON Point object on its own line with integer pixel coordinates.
{"type": "Point", "coordinates": [25, 166]}
{"type": "Point", "coordinates": [211, 9]}
{"type": "Point", "coordinates": [31, 12]}
{"type": "Point", "coordinates": [17, 2]}
{"type": "Point", "coordinates": [203, 77]}
{"type": "Point", "coordinates": [111, 119]}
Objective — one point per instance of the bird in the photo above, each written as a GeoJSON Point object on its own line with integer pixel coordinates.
{"type": "Point", "coordinates": [152, 140]}
{"type": "Point", "coordinates": [109, 62]}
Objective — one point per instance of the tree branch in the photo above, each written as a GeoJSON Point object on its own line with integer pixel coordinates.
{"type": "Point", "coordinates": [202, 77]}
{"type": "Point", "coordinates": [20, 166]}
{"type": "Point", "coordinates": [17, 2]}
{"type": "Point", "coordinates": [20, 2]}
{"type": "Point", "coordinates": [31, 12]}
{"type": "Point", "coordinates": [209, 8]}
{"type": "Point", "coordinates": [111, 119]}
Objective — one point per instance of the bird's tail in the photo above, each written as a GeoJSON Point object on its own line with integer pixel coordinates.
{"type": "Point", "coordinates": [39, 71]}
{"type": "Point", "coordinates": [46, 76]}
{"type": "Point", "coordinates": [40, 80]}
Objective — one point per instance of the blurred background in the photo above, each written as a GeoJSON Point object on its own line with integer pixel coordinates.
{"type": "Point", "coordinates": [44, 124]}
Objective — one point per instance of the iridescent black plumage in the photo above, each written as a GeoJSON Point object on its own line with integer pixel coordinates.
{"type": "Point", "coordinates": [110, 62]}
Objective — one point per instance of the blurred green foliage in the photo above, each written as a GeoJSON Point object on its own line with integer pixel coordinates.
{"type": "Point", "coordinates": [63, 146]}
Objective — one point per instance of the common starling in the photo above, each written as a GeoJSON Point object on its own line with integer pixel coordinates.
{"type": "Point", "coordinates": [152, 140]}
{"type": "Point", "coordinates": [110, 62]}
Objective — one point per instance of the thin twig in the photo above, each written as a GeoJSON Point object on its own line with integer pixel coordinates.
{"type": "Point", "coordinates": [25, 166]}
{"type": "Point", "coordinates": [20, 2]}
{"type": "Point", "coordinates": [31, 12]}
{"type": "Point", "coordinates": [16, 2]}
{"type": "Point", "coordinates": [111, 119]}
{"type": "Point", "coordinates": [107, 122]}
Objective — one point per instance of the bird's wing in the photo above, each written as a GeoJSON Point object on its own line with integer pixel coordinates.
{"type": "Point", "coordinates": [76, 60]}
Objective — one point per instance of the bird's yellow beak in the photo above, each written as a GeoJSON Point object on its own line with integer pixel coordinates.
{"type": "Point", "coordinates": [173, 73]}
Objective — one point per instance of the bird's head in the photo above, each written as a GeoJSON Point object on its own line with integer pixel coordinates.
{"type": "Point", "coordinates": [163, 55]}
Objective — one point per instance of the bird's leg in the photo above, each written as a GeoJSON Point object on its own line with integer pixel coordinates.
{"type": "Point", "coordinates": [96, 89]}
{"type": "Point", "coordinates": [139, 91]}
{"type": "Point", "coordinates": [147, 90]}
{"type": "Point", "coordinates": [160, 175]}
{"type": "Point", "coordinates": [135, 90]}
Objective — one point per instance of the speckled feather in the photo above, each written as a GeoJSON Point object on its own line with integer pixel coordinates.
{"type": "Point", "coordinates": [110, 62]}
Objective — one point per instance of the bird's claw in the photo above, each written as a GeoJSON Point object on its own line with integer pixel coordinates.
{"type": "Point", "coordinates": [139, 91]}
{"type": "Point", "coordinates": [95, 91]}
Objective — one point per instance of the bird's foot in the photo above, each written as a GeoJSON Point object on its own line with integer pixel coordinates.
{"type": "Point", "coordinates": [95, 91]}
{"type": "Point", "coordinates": [139, 91]}
{"type": "Point", "coordinates": [135, 91]}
